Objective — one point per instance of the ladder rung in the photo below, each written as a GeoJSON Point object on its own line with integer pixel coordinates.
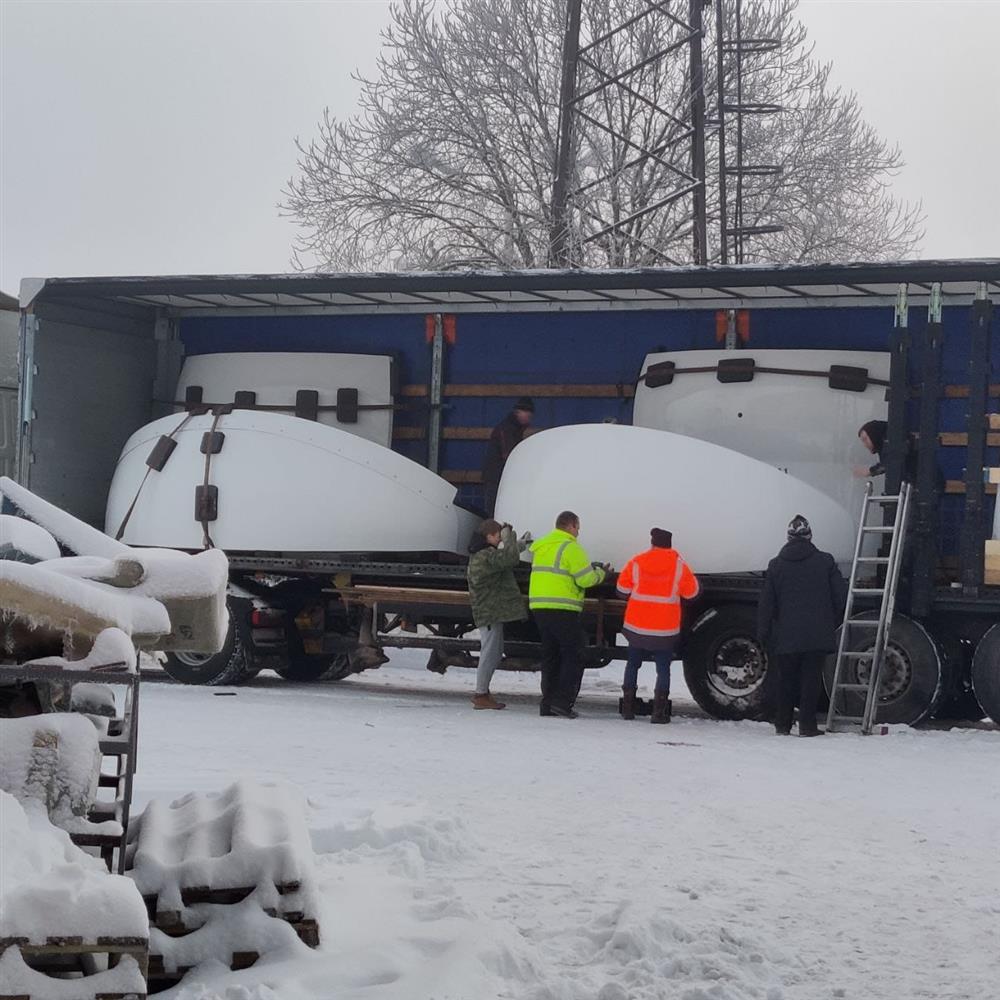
{"type": "Point", "coordinates": [882, 560]}
{"type": "Point", "coordinates": [873, 529]}
{"type": "Point", "coordinates": [862, 622]}
{"type": "Point", "coordinates": [884, 499]}
{"type": "Point", "coordinates": [848, 718]}
{"type": "Point", "coordinates": [853, 655]}
{"type": "Point", "coordinates": [852, 687]}
{"type": "Point", "coordinates": [868, 591]}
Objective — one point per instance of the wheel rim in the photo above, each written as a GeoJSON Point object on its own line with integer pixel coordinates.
{"type": "Point", "coordinates": [193, 659]}
{"type": "Point", "coordinates": [738, 667]}
{"type": "Point", "coordinates": [897, 674]}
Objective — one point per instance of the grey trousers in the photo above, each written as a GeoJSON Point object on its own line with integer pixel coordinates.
{"type": "Point", "coordinates": [490, 653]}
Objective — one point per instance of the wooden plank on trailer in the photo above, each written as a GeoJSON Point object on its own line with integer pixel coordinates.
{"type": "Point", "coordinates": [961, 440]}
{"type": "Point", "coordinates": [955, 486]}
{"type": "Point", "coordinates": [992, 476]}
{"type": "Point", "coordinates": [543, 391]}
{"type": "Point", "coordinates": [962, 391]}
{"type": "Point", "coordinates": [994, 421]}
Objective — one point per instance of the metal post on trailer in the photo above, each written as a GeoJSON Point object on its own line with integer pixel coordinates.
{"type": "Point", "coordinates": [971, 564]}
{"type": "Point", "coordinates": [899, 393]}
{"type": "Point", "coordinates": [436, 395]}
{"type": "Point", "coordinates": [925, 563]}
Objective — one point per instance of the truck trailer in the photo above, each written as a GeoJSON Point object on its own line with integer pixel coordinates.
{"type": "Point", "coordinates": [102, 357]}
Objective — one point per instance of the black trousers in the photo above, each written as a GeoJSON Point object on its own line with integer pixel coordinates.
{"type": "Point", "coordinates": [800, 678]}
{"type": "Point", "coordinates": [562, 657]}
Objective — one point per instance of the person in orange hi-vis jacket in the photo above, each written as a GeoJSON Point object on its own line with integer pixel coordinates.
{"type": "Point", "coordinates": [655, 581]}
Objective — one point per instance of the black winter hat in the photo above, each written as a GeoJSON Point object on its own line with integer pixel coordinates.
{"type": "Point", "coordinates": [798, 528]}
{"type": "Point", "coordinates": [876, 431]}
{"type": "Point", "coordinates": [660, 538]}
{"type": "Point", "coordinates": [525, 403]}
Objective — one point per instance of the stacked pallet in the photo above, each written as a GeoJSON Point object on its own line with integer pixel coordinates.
{"type": "Point", "coordinates": [226, 878]}
{"type": "Point", "coordinates": [64, 917]}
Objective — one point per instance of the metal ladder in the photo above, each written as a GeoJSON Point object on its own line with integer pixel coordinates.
{"type": "Point", "coordinates": [895, 533]}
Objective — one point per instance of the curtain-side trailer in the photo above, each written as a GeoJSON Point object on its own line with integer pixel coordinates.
{"type": "Point", "coordinates": [101, 357]}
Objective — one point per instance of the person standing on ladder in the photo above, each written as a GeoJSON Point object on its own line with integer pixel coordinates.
{"type": "Point", "coordinates": [504, 439]}
{"type": "Point", "coordinates": [655, 582]}
{"type": "Point", "coordinates": [801, 606]}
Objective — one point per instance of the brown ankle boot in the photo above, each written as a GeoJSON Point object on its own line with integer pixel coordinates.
{"type": "Point", "coordinates": [487, 701]}
{"type": "Point", "coordinates": [628, 703]}
{"type": "Point", "coordinates": [661, 709]}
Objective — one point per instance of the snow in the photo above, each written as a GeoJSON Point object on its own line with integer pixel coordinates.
{"type": "Point", "coordinates": [164, 599]}
{"type": "Point", "coordinates": [41, 595]}
{"type": "Point", "coordinates": [24, 541]}
{"type": "Point", "coordinates": [74, 534]}
{"type": "Point", "coordinates": [248, 835]}
{"type": "Point", "coordinates": [18, 978]}
{"type": "Point", "coordinates": [51, 888]}
{"type": "Point", "coordinates": [468, 854]}
{"type": "Point", "coordinates": [111, 649]}
{"type": "Point", "coordinates": [53, 759]}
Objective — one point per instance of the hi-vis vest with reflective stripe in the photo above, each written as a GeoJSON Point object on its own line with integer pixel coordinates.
{"type": "Point", "coordinates": [560, 573]}
{"type": "Point", "coordinates": [655, 582]}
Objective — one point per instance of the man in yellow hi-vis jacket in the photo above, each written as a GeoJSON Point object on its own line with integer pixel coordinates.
{"type": "Point", "coordinates": [560, 573]}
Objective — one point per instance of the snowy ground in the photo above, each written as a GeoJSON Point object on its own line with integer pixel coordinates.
{"type": "Point", "coordinates": [468, 855]}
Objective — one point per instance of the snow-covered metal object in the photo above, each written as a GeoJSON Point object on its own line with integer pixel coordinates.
{"type": "Point", "coordinates": [283, 485]}
{"type": "Point", "coordinates": [158, 599]}
{"type": "Point", "coordinates": [276, 378]}
{"type": "Point", "coordinates": [728, 512]}
{"type": "Point", "coordinates": [789, 414]}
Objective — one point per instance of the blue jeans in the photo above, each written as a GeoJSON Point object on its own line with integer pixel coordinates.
{"type": "Point", "coordinates": [661, 657]}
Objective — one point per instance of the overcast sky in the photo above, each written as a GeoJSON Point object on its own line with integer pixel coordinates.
{"type": "Point", "coordinates": [155, 137]}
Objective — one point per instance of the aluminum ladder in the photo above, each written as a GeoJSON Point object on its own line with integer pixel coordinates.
{"type": "Point", "coordinates": [895, 509]}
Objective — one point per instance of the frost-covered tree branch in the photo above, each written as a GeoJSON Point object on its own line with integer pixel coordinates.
{"type": "Point", "coordinates": [449, 159]}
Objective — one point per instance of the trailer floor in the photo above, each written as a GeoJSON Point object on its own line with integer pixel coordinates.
{"type": "Point", "coordinates": [470, 855]}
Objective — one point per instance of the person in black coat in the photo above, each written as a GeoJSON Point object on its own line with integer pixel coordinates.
{"type": "Point", "coordinates": [505, 437]}
{"type": "Point", "coordinates": [801, 607]}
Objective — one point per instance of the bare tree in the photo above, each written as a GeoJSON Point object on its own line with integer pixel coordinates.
{"type": "Point", "coordinates": [449, 160]}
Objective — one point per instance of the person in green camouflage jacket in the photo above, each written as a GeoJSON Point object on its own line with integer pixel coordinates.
{"type": "Point", "coordinates": [496, 598]}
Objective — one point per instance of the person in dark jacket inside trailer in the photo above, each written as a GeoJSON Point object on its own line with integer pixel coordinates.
{"type": "Point", "coordinates": [873, 436]}
{"type": "Point", "coordinates": [801, 607]}
{"type": "Point", "coordinates": [505, 437]}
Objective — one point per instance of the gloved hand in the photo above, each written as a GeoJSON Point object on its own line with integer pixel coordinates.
{"type": "Point", "coordinates": [606, 567]}
{"type": "Point", "coordinates": [526, 538]}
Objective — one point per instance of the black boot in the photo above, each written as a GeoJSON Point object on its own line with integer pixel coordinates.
{"type": "Point", "coordinates": [627, 704]}
{"type": "Point", "coordinates": [661, 709]}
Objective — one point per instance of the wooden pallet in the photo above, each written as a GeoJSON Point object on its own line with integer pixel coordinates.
{"type": "Point", "coordinates": [60, 956]}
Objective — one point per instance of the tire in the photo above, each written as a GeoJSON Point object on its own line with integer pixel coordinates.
{"type": "Point", "coordinates": [304, 668]}
{"type": "Point", "coordinates": [233, 664]}
{"type": "Point", "coordinates": [986, 673]}
{"type": "Point", "coordinates": [912, 676]}
{"type": "Point", "coordinates": [957, 701]}
{"type": "Point", "coordinates": [726, 667]}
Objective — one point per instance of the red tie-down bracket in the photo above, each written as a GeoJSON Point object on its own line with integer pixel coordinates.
{"type": "Point", "coordinates": [448, 327]}
{"type": "Point", "coordinates": [740, 318]}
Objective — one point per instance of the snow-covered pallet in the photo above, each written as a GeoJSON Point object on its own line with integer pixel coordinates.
{"type": "Point", "coordinates": [112, 660]}
{"type": "Point", "coordinates": [69, 930]}
{"type": "Point", "coordinates": [226, 877]}
{"type": "Point", "coordinates": [72, 967]}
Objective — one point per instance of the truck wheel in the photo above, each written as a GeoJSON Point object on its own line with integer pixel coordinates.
{"type": "Point", "coordinates": [233, 664]}
{"type": "Point", "coordinates": [957, 699]}
{"type": "Point", "coordinates": [725, 666]}
{"type": "Point", "coordinates": [986, 673]}
{"type": "Point", "coordinates": [912, 676]}
{"type": "Point", "coordinates": [306, 668]}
